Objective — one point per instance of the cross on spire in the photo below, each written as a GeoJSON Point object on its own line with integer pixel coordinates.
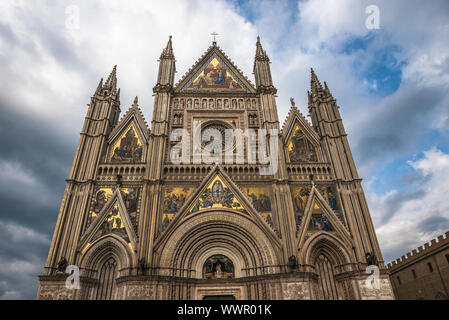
{"type": "Point", "coordinates": [214, 34]}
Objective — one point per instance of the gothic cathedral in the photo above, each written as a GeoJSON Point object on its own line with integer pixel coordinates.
{"type": "Point", "coordinates": [136, 225]}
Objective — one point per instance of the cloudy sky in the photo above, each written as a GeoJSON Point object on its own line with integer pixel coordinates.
{"type": "Point", "coordinates": [391, 84]}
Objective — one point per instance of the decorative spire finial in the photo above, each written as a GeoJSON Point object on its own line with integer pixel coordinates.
{"type": "Point", "coordinates": [111, 82]}
{"type": "Point", "coordinates": [314, 82]}
{"type": "Point", "coordinates": [214, 42]}
{"type": "Point", "coordinates": [136, 100]}
{"type": "Point", "coordinates": [292, 101]}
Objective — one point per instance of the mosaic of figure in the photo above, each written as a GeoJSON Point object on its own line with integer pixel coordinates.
{"type": "Point", "coordinates": [128, 148]}
{"type": "Point", "coordinates": [113, 223]}
{"type": "Point", "coordinates": [130, 197]}
{"type": "Point", "coordinates": [320, 223]}
{"type": "Point", "coordinates": [217, 195]}
{"type": "Point", "coordinates": [100, 198]}
{"type": "Point", "coordinates": [261, 201]}
{"type": "Point", "coordinates": [218, 266]}
{"type": "Point", "coordinates": [215, 76]}
{"type": "Point", "coordinates": [174, 199]}
{"type": "Point", "coordinates": [300, 195]}
{"type": "Point", "coordinates": [300, 149]}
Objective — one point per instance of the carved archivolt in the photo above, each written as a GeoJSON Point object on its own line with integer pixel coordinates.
{"type": "Point", "coordinates": [103, 249]}
{"type": "Point", "coordinates": [217, 232]}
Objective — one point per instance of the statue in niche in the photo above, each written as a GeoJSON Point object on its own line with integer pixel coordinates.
{"type": "Point", "coordinates": [197, 103]}
{"type": "Point", "coordinates": [189, 104]}
{"type": "Point", "coordinates": [204, 104]}
{"type": "Point", "coordinates": [219, 104]}
{"type": "Point", "coordinates": [301, 148]}
{"type": "Point", "coordinates": [217, 267]}
{"type": "Point", "coordinates": [62, 265]}
{"type": "Point", "coordinates": [226, 103]}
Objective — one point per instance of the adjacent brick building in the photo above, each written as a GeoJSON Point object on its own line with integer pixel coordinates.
{"type": "Point", "coordinates": [423, 274]}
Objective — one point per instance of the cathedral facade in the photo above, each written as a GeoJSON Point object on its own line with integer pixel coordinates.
{"type": "Point", "coordinates": [135, 224]}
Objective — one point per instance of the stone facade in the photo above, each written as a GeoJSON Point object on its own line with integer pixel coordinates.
{"type": "Point", "coordinates": [422, 274]}
{"type": "Point", "coordinates": [139, 226]}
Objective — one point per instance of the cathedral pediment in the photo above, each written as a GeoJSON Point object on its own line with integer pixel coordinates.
{"type": "Point", "coordinates": [113, 219]}
{"type": "Point", "coordinates": [218, 192]}
{"type": "Point", "coordinates": [214, 73]}
{"type": "Point", "coordinates": [301, 141]}
{"type": "Point", "coordinates": [320, 217]}
{"type": "Point", "coordinates": [129, 138]}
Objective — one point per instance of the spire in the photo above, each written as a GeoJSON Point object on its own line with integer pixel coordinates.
{"type": "Point", "coordinates": [167, 53]}
{"type": "Point", "coordinates": [314, 82]}
{"type": "Point", "coordinates": [260, 53]}
{"type": "Point", "coordinates": [136, 100]}
{"type": "Point", "coordinates": [167, 69]}
{"type": "Point", "coordinates": [112, 80]}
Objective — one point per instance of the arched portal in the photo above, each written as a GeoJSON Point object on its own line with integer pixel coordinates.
{"type": "Point", "coordinates": [330, 257]}
{"type": "Point", "coordinates": [106, 281]}
{"type": "Point", "coordinates": [104, 261]}
{"type": "Point", "coordinates": [326, 278]}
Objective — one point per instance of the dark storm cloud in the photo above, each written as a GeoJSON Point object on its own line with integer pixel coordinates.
{"type": "Point", "coordinates": [402, 125]}
{"type": "Point", "coordinates": [27, 217]}
{"type": "Point", "coordinates": [434, 223]}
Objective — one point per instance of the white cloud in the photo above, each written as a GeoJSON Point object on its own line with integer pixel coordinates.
{"type": "Point", "coordinates": [415, 220]}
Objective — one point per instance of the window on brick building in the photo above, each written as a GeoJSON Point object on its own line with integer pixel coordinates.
{"type": "Point", "coordinates": [414, 273]}
{"type": "Point", "coordinates": [399, 280]}
{"type": "Point", "coordinates": [430, 267]}
{"type": "Point", "coordinates": [447, 258]}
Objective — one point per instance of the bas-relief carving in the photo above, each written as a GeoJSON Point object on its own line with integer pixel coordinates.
{"type": "Point", "coordinates": [56, 292]}
{"type": "Point", "coordinates": [140, 292]}
{"type": "Point", "coordinates": [295, 291]}
{"type": "Point", "coordinates": [385, 292]}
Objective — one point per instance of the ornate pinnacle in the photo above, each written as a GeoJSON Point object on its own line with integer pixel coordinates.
{"type": "Point", "coordinates": [260, 53]}
{"type": "Point", "coordinates": [135, 103]}
{"type": "Point", "coordinates": [314, 82]}
{"type": "Point", "coordinates": [112, 79]}
{"type": "Point", "coordinates": [167, 53]}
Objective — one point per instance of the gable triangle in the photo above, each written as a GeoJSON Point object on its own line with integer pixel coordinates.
{"type": "Point", "coordinates": [128, 140]}
{"type": "Point", "coordinates": [319, 217]}
{"type": "Point", "coordinates": [214, 73]}
{"type": "Point", "coordinates": [217, 191]}
{"type": "Point", "coordinates": [114, 220]}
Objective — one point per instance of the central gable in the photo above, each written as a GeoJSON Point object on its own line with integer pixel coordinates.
{"type": "Point", "coordinates": [214, 73]}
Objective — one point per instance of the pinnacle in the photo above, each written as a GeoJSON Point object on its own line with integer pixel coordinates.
{"type": "Point", "coordinates": [314, 82]}
{"type": "Point", "coordinates": [136, 100]}
{"type": "Point", "coordinates": [260, 53]}
{"type": "Point", "coordinates": [111, 82]}
{"type": "Point", "coordinates": [168, 50]}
